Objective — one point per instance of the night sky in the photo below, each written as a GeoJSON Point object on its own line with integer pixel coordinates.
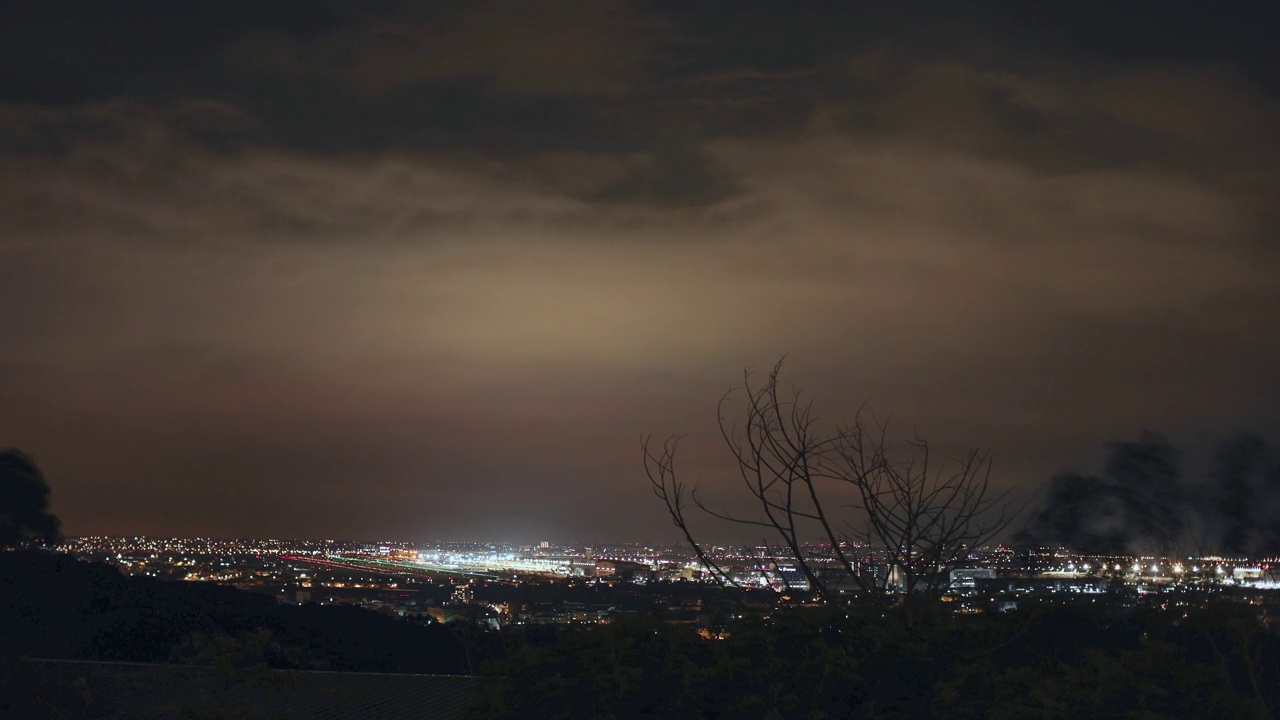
{"type": "Point", "coordinates": [429, 269]}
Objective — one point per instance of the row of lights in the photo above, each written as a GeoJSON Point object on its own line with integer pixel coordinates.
{"type": "Point", "coordinates": [1177, 568]}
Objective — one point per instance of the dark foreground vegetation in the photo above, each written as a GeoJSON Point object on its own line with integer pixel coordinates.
{"type": "Point", "coordinates": [54, 606]}
{"type": "Point", "coordinates": [1094, 660]}
{"type": "Point", "coordinates": [1061, 663]}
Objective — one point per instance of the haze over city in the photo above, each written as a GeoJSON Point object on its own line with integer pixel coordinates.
{"type": "Point", "coordinates": [430, 270]}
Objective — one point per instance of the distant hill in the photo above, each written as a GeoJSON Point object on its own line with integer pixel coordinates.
{"type": "Point", "coordinates": [55, 606]}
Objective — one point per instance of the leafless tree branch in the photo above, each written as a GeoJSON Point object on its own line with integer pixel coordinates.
{"type": "Point", "coordinates": [851, 488]}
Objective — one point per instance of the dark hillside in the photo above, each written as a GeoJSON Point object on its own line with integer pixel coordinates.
{"type": "Point", "coordinates": [54, 606]}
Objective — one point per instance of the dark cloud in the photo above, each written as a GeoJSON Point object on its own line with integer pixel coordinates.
{"type": "Point", "coordinates": [85, 51]}
{"type": "Point", "coordinates": [432, 272]}
{"type": "Point", "coordinates": [545, 47]}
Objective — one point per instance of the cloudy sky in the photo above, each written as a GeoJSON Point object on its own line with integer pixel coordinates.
{"type": "Point", "coordinates": [428, 270]}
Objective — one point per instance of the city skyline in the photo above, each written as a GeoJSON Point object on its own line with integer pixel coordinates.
{"type": "Point", "coordinates": [431, 272]}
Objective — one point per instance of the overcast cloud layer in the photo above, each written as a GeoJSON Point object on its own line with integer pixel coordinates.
{"type": "Point", "coordinates": [398, 273]}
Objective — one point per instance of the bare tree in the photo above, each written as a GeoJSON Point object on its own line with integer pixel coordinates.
{"type": "Point", "coordinates": [888, 519]}
{"type": "Point", "coordinates": [925, 518]}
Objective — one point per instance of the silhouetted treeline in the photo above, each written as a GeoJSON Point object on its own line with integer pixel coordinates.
{"type": "Point", "coordinates": [1054, 662]}
{"type": "Point", "coordinates": [1146, 500]}
{"type": "Point", "coordinates": [55, 606]}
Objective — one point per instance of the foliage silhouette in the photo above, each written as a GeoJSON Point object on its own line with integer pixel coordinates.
{"type": "Point", "coordinates": [24, 502]}
{"type": "Point", "coordinates": [1045, 663]}
{"type": "Point", "coordinates": [59, 607]}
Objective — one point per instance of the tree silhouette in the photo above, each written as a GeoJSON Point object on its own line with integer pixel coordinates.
{"type": "Point", "coordinates": [868, 502]}
{"type": "Point", "coordinates": [24, 502]}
